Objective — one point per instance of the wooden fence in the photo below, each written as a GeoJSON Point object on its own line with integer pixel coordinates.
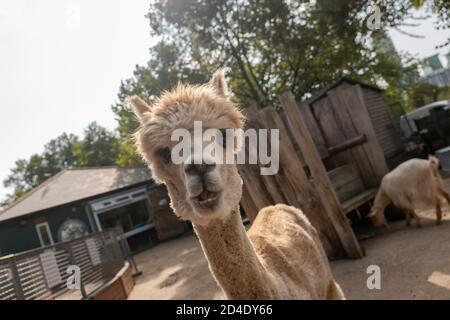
{"type": "Point", "coordinates": [42, 273]}
{"type": "Point", "coordinates": [303, 179]}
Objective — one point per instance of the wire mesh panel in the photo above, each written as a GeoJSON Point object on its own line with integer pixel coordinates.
{"type": "Point", "coordinates": [46, 273]}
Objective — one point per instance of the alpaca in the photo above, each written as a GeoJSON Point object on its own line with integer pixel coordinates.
{"type": "Point", "coordinates": [281, 256]}
{"type": "Point", "coordinates": [413, 184]}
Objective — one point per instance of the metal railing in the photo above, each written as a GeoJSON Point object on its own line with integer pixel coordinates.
{"type": "Point", "coordinates": [66, 270]}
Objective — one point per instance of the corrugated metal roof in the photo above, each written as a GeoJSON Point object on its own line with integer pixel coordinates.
{"type": "Point", "coordinates": [72, 185]}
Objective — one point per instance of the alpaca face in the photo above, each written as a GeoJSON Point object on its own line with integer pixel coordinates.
{"type": "Point", "coordinates": [201, 186]}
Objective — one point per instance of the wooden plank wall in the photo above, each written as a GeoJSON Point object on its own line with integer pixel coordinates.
{"type": "Point", "coordinates": [290, 185]}
{"type": "Point", "coordinates": [342, 115]}
{"type": "Point", "coordinates": [383, 123]}
{"type": "Point", "coordinates": [338, 130]}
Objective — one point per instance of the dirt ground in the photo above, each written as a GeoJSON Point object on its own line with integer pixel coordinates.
{"type": "Point", "coordinates": [414, 264]}
{"type": "Point", "coordinates": [176, 269]}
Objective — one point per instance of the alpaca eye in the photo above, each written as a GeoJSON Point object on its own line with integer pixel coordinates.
{"type": "Point", "coordinates": [165, 154]}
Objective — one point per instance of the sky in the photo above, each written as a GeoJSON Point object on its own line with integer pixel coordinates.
{"type": "Point", "coordinates": [61, 63]}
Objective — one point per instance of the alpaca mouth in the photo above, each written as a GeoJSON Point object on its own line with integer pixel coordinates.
{"type": "Point", "coordinates": [208, 199]}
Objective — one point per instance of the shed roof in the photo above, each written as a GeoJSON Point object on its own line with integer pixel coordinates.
{"type": "Point", "coordinates": [319, 94]}
{"type": "Point", "coordinates": [73, 185]}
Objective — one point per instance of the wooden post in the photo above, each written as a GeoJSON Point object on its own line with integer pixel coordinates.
{"type": "Point", "coordinates": [254, 196]}
{"type": "Point", "coordinates": [320, 176]}
{"type": "Point", "coordinates": [248, 205]}
{"type": "Point", "coordinates": [297, 188]}
{"type": "Point", "coordinates": [256, 191]}
{"type": "Point", "coordinates": [313, 128]}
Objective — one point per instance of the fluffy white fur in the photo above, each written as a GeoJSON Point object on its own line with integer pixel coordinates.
{"type": "Point", "coordinates": [281, 256]}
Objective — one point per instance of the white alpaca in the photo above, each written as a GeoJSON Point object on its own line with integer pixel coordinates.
{"type": "Point", "coordinates": [414, 183]}
{"type": "Point", "coordinates": [281, 256]}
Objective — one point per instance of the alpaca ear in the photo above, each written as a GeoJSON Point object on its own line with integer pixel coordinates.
{"type": "Point", "coordinates": [140, 107]}
{"type": "Point", "coordinates": [218, 82]}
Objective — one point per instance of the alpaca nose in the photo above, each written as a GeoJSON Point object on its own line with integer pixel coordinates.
{"type": "Point", "coordinates": [199, 169]}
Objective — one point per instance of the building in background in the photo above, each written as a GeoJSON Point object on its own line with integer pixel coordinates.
{"type": "Point", "coordinates": [434, 71]}
{"type": "Point", "coordinates": [76, 202]}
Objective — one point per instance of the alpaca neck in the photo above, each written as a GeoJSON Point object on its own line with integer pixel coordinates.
{"type": "Point", "coordinates": [233, 260]}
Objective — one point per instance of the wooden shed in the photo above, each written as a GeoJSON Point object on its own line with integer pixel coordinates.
{"type": "Point", "coordinates": [346, 95]}
{"type": "Point", "coordinates": [333, 153]}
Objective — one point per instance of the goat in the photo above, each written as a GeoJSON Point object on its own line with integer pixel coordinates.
{"type": "Point", "coordinates": [413, 183]}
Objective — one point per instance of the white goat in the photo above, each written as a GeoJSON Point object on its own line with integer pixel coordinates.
{"type": "Point", "coordinates": [413, 183]}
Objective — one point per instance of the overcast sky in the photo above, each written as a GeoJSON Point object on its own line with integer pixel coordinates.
{"type": "Point", "coordinates": [61, 62]}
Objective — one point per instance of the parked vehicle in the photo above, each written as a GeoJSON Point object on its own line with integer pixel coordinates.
{"type": "Point", "coordinates": [430, 124]}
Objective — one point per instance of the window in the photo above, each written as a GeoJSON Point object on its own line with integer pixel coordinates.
{"type": "Point", "coordinates": [45, 236]}
{"type": "Point", "coordinates": [129, 217]}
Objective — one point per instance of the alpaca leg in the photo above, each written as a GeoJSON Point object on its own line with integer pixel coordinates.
{"type": "Point", "coordinates": [438, 212]}
{"type": "Point", "coordinates": [335, 292]}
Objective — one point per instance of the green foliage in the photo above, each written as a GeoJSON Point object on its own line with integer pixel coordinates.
{"type": "Point", "coordinates": [163, 71]}
{"type": "Point", "coordinates": [270, 45]}
{"type": "Point", "coordinates": [421, 94]}
{"type": "Point", "coordinates": [444, 93]}
{"type": "Point", "coordinates": [58, 155]}
{"type": "Point", "coordinates": [98, 148]}
{"type": "Point", "coordinates": [276, 45]}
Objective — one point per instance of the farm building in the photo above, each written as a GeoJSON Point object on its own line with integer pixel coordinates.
{"type": "Point", "coordinates": [76, 202]}
{"type": "Point", "coordinates": [332, 105]}
{"type": "Point", "coordinates": [334, 150]}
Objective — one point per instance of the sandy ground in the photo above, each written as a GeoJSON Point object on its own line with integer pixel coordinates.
{"type": "Point", "coordinates": [176, 269]}
{"type": "Point", "coordinates": [414, 264]}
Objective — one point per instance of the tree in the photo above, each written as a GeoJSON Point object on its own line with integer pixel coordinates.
{"type": "Point", "coordinates": [298, 45]}
{"type": "Point", "coordinates": [163, 71]}
{"type": "Point", "coordinates": [98, 148]}
{"type": "Point", "coordinates": [273, 45]}
{"type": "Point", "coordinates": [421, 94]}
{"type": "Point", "coordinates": [27, 174]}
{"type": "Point", "coordinates": [58, 153]}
